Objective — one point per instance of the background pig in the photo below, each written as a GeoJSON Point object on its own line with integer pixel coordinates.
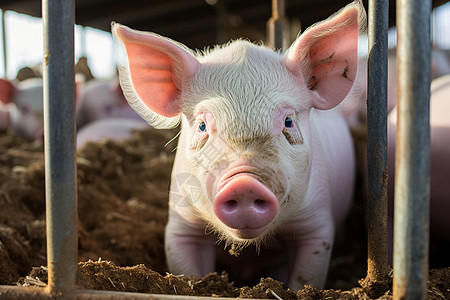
{"type": "Point", "coordinates": [22, 108]}
{"type": "Point", "coordinates": [265, 157]}
{"type": "Point", "coordinates": [439, 67]}
{"type": "Point", "coordinates": [439, 163]}
{"type": "Point", "coordinates": [108, 128]}
{"type": "Point", "coordinates": [102, 99]}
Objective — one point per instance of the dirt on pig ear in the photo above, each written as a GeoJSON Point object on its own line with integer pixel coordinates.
{"type": "Point", "coordinates": [325, 56]}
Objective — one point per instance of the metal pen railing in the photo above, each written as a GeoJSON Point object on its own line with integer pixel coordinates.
{"type": "Point", "coordinates": [412, 172]}
{"type": "Point", "coordinates": [377, 205]}
{"type": "Point", "coordinates": [60, 144]}
{"type": "Point", "coordinates": [412, 176]}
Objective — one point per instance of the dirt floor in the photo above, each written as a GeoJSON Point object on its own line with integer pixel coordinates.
{"type": "Point", "coordinates": [122, 198]}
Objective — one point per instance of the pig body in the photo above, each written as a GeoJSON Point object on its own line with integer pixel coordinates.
{"type": "Point", "coordinates": [439, 159]}
{"type": "Point", "coordinates": [22, 108]}
{"type": "Point", "coordinates": [108, 128]}
{"type": "Point", "coordinates": [440, 66]}
{"type": "Point", "coordinates": [264, 153]}
{"type": "Point", "coordinates": [102, 99]}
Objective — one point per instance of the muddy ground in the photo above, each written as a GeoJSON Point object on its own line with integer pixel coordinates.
{"type": "Point", "coordinates": [122, 198]}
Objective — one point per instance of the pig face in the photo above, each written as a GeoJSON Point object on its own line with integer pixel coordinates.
{"type": "Point", "coordinates": [245, 142]}
{"type": "Point", "coordinates": [263, 148]}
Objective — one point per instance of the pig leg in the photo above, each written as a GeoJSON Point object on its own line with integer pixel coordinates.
{"type": "Point", "coordinates": [312, 256]}
{"type": "Point", "coordinates": [188, 250]}
{"type": "Point", "coordinates": [5, 115]}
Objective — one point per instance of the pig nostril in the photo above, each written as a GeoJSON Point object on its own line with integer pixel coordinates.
{"type": "Point", "coordinates": [232, 203]}
{"type": "Point", "coordinates": [230, 206]}
{"type": "Point", "coordinates": [261, 205]}
{"type": "Point", "coordinates": [260, 202]}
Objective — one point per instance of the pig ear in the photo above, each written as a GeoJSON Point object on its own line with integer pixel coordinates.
{"type": "Point", "coordinates": [154, 74]}
{"type": "Point", "coordinates": [7, 90]}
{"type": "Point", "coordinates": [325, 56]}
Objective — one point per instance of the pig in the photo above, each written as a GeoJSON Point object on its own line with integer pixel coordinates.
{"type": "Point", "coordinates": [108, 128]}
{"type": "Point", "coordinates": [264, 157]}
{"type": "Point", "coordinates": [102, 99]}
{"type": "Point", "coordinates": [439, 161]}
{"type": "Point", "coordinates": [22, 108]}
{"type": "Point", "coordinates": [440, 65]}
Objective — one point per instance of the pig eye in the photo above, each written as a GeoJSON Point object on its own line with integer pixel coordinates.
{"type": "Point", "coordinates": [201, 137]}
{"type": "Point", "coordinates": [202, 127]}
{"type": "Point", "coordinates": [293, 135]}
{"type": "Point", "coordinates": [288, 123]}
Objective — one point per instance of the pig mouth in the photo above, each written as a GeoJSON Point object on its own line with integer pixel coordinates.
{"type": "Point", "coordinates": [244, 204]}
{"type": "Point", "coordinates": [248, 233]}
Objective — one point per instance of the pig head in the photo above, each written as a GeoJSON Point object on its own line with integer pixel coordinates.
{"type": "Point", "coordinates": [264, 152]}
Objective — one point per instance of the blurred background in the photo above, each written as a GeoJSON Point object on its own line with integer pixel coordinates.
{"type": "Point", "coordinates": [196, 23]}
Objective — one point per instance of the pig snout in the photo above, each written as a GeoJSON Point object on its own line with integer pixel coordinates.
{"type": "Point", "coordinates": [245, 205]}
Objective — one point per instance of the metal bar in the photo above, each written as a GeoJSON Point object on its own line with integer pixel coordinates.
{"type": "Point", "coordinates": [412, 186]}
{"type": "Point", "coordinates": [16, 292]}
{"type": "Point", "coordinates": [59, 135]}
{"type": "Point", "coordinates": [5, 53]}
{"type": "Point", "coordinates": [221, 22]}
{"type": "Point", "coordinates": [276, 26]}
{"type": "Point", "coordinates": [377, 269]}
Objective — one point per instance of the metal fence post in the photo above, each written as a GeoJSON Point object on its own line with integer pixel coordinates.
{"type": "Point", "coordinates": [277, 25]}
{"type": "Point", "coordinates": [5, 52]}
{"type": "Point", "coordinates": [377, 268]}
{"type": "Point", "coordinates": [412, 187]}
{"type": "Point", "coordinates": [59, 134]}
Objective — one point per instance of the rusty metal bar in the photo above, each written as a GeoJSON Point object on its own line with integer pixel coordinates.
{"type": "Point", "coordinates": [277, 25]}
{"type": "Point", "coordinates": [35, 293]}
{"type": "Point", "coordinates": [412, 186]}
{"type": "Point", "coordinates": [377, 268]}
{"type": "Point", "coordinates": [59, 135]}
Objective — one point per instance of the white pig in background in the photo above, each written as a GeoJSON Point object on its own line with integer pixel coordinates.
{"type": "Point", "coordinates": [439, 160]}
{"type": "Point", "coordinates": [102, 99]}
{"type": "Point", "coordinates": [21, 108]}
{"type": "Point", "coordinates": [108, 128]}
{"type": "Point", "coordinates": [440, 66]}
{"type": "Point", "coordinates": [265, 156]}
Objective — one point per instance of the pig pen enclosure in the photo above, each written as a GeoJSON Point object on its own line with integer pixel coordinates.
{"type": "Point", "coordinates": [122, 198]}
{"type": "Point", "coordinates": [122, 201]}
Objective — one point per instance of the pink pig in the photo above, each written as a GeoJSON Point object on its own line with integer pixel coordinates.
{"type": "Point", "coordinates": [108, 128]}
{"type": "Point", "coordinates": [264, 157]}
{"type": "Point", "coordinates": [102, 99]}
{"type": "Point", "coordinates": [440, 65]}
{"type": "Point", "coordinates": [21, 108]}
{"type": "Point", "coordinates": [439, 163]}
